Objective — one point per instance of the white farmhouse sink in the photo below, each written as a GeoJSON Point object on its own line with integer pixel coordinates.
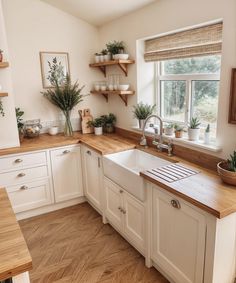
{"type": "Point", "coordinates": [124, 167]}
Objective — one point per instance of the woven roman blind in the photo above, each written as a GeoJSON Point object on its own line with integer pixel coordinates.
{"type": "Point", "coordinates": [206, 40]}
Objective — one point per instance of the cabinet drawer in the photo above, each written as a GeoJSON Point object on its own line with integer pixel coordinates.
{"type": "Point", "coordinates": [21, 176]}
{"type": "Point", "coordinates": [30, 195]}
{"type": "Point", "coordinates": [21, 161]}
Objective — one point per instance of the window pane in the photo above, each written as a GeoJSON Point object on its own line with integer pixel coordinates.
{"type": "Point", "coordinates": [205, 102]}
{"type": "Point", "coordinates": [196, 65]}
{"type": "Point", "coordinates": [173, 98]}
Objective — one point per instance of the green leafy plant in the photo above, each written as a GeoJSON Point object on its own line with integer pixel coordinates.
{"type": "Point", "coordinates": [109, 119]}
{"type": "Point", "coordinates": [104, 52]}
{"type": "Point", "coordinates": [207, 130]}
{"type": "Point", "coordinates": [115, 47]}
{"type": "Point", "coordinates": [98, 122]}
{"type": "Point", "coordinates": [178, 127]}
{"type": "Point", "coordinates": [142, 111]}
{"type": "Point", "coordinates": [19, 119]}
{"type": "Point", "coordinates": [194, 123]}
{"type": "Point", "coordinates": [232, 162]}
{"type": "Point", "coordinates": [2, 113]}
{"type": "Point", "coordinates": [97, 54]}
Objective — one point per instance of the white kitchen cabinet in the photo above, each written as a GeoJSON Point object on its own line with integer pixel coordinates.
{"type": "Point", "coordinates": [66, 173]}
{"type": "Point", "coordinates": [178, 238]}
{"type": "Point", "coordinates": [125, 213]}
{"type": "Point", "coordinates": [92, 173]}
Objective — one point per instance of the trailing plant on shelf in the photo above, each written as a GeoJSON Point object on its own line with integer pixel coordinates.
{"type": "Point", "coordinates": [115, 47]}
{"type": "Point", "coordinates": [194, 129]}
{"type": "Point", "coordinates": [65, 97]}
{"type": "Point", "coordinates": [109, 122]}
{"type": "Point", "coordinates": [227, 169]}
{"type": "Point", "coordinates": [141, 111]}
{"type": "Point", "coordinates": [20, 124]}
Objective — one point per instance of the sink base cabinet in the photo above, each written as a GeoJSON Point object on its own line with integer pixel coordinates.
{"type": "Point", "coordinates": [125, 213]}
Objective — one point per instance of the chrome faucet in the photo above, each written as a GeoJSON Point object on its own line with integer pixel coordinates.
{"type": "Point", "coordinates": [160, 145]}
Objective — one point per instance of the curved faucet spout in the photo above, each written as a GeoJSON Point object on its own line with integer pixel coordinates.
{"type": "Point", "coordinates": [143, 139]}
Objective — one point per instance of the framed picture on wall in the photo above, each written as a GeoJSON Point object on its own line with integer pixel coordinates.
{"type": "Point", "coordinates": [54, 65]}
{"type": "Point", "coordinates": [232, 101]}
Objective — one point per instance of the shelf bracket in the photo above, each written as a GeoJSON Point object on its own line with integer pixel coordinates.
{"type": "Point", "coordinates": [106, 96]}
{"type": "Point", "coordinates": [103, 70]}
{"type": "Point", "coordinates": [124, 97]}
{"type": "Point", "coordinates": [124, 68]}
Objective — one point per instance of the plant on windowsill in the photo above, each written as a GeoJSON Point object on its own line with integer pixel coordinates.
{"type": "Point", "coordinates": [194, 129]}
{"type": "Point", "coordinates": [20, 124]}
{"type": "Point", "coordinates": [109, 122]}
{"type": "Point", "coordinates": [227, 170]}
{"type": "Point", "coordinates": [97, 124]}
{"type": "Point", "coordinates": [179, 130]}
{"type": "Point", "coordinates": [207, 135]}
{"type": "Point", "coordinates": [142, 111]}
{"type": "Point", "coordinates": [169, 129]}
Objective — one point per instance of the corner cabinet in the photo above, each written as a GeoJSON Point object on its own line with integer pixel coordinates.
{"type": "Point", "coordinates": [93, 177]}
{"type": "Point", "coordinates": [66, 173]}
{"type": "Point", "coordinates": [178, 238]}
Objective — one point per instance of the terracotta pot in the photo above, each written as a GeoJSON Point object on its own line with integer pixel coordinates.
{"type": "Point", "coordinates": [178, 134]}
{"type": "Point", "coordinates": [229, 177]}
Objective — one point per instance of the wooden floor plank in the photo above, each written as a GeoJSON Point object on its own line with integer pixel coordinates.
{"type": "Point", "coordinates": [72, 245]}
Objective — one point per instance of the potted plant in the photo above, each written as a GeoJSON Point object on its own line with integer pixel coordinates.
{"type": "Point", "coordinates": [106, 55]}
{"type": "Point", "coordinates": [97, 57]}
{"type": "Point", "coordinates": [1, 55]}
{"type": "Point", "coordinates": [169, 129]}
{"type": "Point", "coordinates": [142, 111]}
{"type": "Point", "coordinates": [193, 129]}
{"type": "Point", "coordinates": [227, 170]}
{"type": "Point", "coordinates": [97, 124]}
{"type": "Point", "coordinates": [179, 130]}
{"type": "Point", "coordinates": [109, 122]}
{"type": "Point", "coordinates": [20, 124]}
{"type": "Point", "coordinates": [65, 97]}
{"type": "Point", "coordinates": [207, 135]}
{"type": "Point", "coordinates": [115, 48]}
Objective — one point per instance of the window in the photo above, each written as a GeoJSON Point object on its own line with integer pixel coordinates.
{"type": "Point", "coordinates": [189, 88]}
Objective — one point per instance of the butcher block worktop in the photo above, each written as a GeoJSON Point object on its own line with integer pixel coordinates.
{"type": "Point", "coordinates": [204, 190]}
{"type": "Point", "coordinates": [14, 254]}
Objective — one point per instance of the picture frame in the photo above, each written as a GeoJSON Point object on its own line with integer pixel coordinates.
{"type": "Point", "coordinates": [46, 57]}
{"type": "Point", "coordinates": [232, 100]}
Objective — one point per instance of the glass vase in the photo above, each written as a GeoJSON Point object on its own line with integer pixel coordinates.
{"type": "Point", "coordinates": [68, 130]}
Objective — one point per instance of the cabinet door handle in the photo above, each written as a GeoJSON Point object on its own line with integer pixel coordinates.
{"type": "Point", "coordinates": [21, 175]}
{"type": "Point", "coordinates": [24, 188]}
{"type": "Point", "coordinates": [18, 160]}
{"type": "Point", "coordinates": [99, 163]}
{"type": "Point", "coordinates": [66, 151]}
{"type": "Point", "coordinates": [121, 191]}
{"type": "Point", "coordinates": [175, 203]}
{"type": "Point", "coordinates": [88, 152]}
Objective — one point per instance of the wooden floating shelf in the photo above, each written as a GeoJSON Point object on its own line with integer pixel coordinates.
{"type": "Point", "coordinates": [123, 94]}
{"type": "Point", "coordinates": [3, 94]}
{"type": "Point", "coordinates": [4, 64]}
{"type": "Point", "coordinates": [123, 64]}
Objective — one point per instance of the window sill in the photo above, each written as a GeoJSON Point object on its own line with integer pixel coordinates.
{"type": "Point", "coordinates": [184, 141]}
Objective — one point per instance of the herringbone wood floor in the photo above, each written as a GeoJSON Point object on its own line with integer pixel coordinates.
{"type": "Point", "coordinates": [72, 245]}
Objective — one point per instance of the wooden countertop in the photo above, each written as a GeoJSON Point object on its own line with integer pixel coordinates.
{"type": "Point", "coordinates": [14, 254]}
{"type": "Point", "coordinates": [205, 190]}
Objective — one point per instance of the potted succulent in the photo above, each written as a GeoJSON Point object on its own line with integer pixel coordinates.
{"type": "Point", "coordinates": [207, 135]}
{"type": "Point", "coordinates": [20, 124]}
{"type": "Point", "coordinates": [169, 129]}
{"type": "Point", "coordinates": [1, 55]}
{"type": "Point", "coordinates": [142, 111]}
{"type": "Point", "coordinates": [97, 124]}
{"type": "Point", "coordinates": [179, 130]}
{"type": "Point", "coordinates": [97, 57]}
{"type": "Point", "coordinates": [227, 170]}
{"type": "Point", "coordinates": [109, 122]}
{"type": "Point", "coordinates": [194, 129]}
{"type": "Point", "coordinates": [117, 48]}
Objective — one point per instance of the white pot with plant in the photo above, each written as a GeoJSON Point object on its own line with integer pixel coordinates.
{"type": "Point", "coordinates": [106, 55]}
{"type": "Point", "coordinates": [194, 129]}
{"type": "Point", "coordinates": [179, 131]}
{"type": "Point", "coordinates": [97, 57]}
{"type": "Point", "coordinates": [207, 135]}
{"type": "Point", "coordinates": [97, 124]}
{"type": "Point", "coordinates": [227, 170]}
{"type": "Point", "coordinates": [169, 129]}
{"type": "Point", "coordinates": [117, 48]}
{"type": "Point", "coordinates": [142, 111]}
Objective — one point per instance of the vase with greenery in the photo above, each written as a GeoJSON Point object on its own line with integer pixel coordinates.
{"type": "Point", "coordinates": [20, 124]}
{"type": "Point", "coordinates": [194, 129]}
{"type": "Point", "coordinates": [227, 170]}
{"type": "Point", "coordinates": [141, 111]}
{"type": "Point", "coordinates": [109, 122]}
{"type": "Point", "coordinates": [65, 96]}
{"type": "Point", "coordinates": [97, 124]}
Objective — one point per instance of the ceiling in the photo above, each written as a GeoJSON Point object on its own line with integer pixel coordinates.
{"type": "Point", "coordinates": [98, 12]}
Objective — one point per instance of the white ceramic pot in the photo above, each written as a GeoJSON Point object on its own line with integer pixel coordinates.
{"type": "Point", "coordinates": [53, 130]}
{"type": "Point", "coordinates": [115, 56]}
{"type": "Point", "coordinates": [101, 57]}
{"type": "Point", "coordinates": [110, 87]}
{"type": "Point", "coordinates": [169, 131]}
{"type": "Point", "coordinates": [123, 87]}
{"type": "Point", "coordinates": [107, 57]}
{"type": "Point", "coordinates": [123, 56]}
{"type": "Point", "coordinates": [97, 58]}
{"type": "Point", "coordinates": [98, 131]}
{"type": "Point", "coordinates": [103, 88]}
{"type": "Point", "coordinates": [193, 134]}
{"type": "Point", "coordinates": [97, 87]}
{"type": "Point", "coordinates": [207, 138]}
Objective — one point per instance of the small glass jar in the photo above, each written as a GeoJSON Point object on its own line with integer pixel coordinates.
{"type": "Point", "coordinates": [32, 128]}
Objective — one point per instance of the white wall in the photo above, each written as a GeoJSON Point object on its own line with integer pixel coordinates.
{"type": "Point", "coordinates": [8, 128]}
{"type": "Point", "coordinates": [33, 26]}
{"type": "Point", "coordinates": [165, 16]}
